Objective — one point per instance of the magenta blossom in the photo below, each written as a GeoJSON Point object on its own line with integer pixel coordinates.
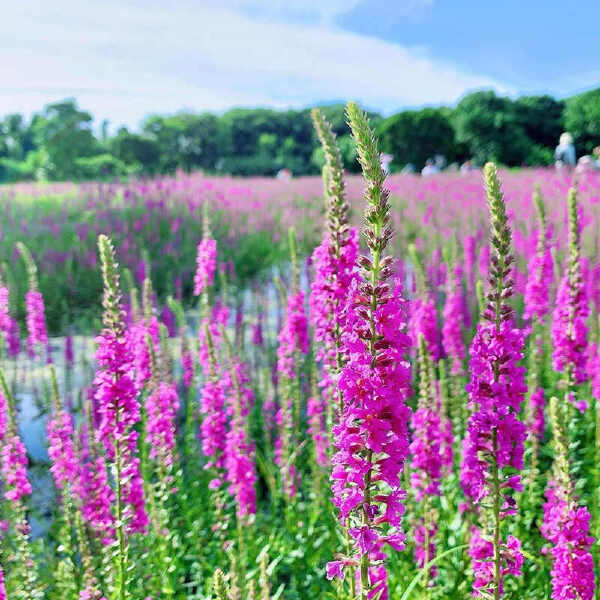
{"type": "Point", "coordinates": [97, 498]}
{"type": "Point", "coordinates": [539, 283]}
{"type": "Point", "coordinates": [36, 320]}
{"type": "Point", "coordinates": [65, 466]}
{"type": "Point", "coordinates": [567, 527]}
{"type": "Point", "coordinates": [452, 335]}
{"type": "Point", "coordinates": [161, 407]}
{"type": "Point", "coordinates": [496, 404]}
{"type": "Point", "coordinates": [423, 320]}
{"type": "Point", "coordinates": [214, 425]}
{"type": "Point", "coordinates": [569, 330]}
{"type": "Point", "coordinates": [293, 335]}
{"type": "Point", "coordinates": [206, 265]}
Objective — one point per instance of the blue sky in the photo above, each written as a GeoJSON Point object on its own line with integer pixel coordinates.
{"type": "Point", "coordinates": [124, 59]}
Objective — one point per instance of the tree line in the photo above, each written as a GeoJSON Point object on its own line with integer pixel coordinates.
{"type": "Point", "coordinates": [59, 143]}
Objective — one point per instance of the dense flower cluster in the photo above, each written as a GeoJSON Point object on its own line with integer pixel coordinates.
{"type": "Point", "coordinates": [374, 423]}
{"type": "Point", "coordinates": [539, 283]}
{"type": "Point", "coordinates": [327, 301]}
{"type": "Point", "coordinates": [116, 401]}
{"type": "Point", "coordinates": [97, 498]}
{"type": "Point", "coordinates": [187, 365]}
{"type": "Point", "coordinates": [13, 468]}
{"type": "Point", "coordinates": [537, 425]}
{"type": "Point", "coordinates": [315, 410]}
{"type": "Point", "coordinates": [594, 370]}
{"type": "Point", "coordinates": [239, 449]}
{"type": "Point", "coordinates": [162, 405]}
{"type": "Point", "coordinates": [567, 527]}
{"type": "Point", "coordinates": [2, 586]}
{"type": "Point", "coordinates": [497, 404]}
{"type": "Point", "coordinates": [140, 351]}
{"type": "Point", "coordinates": [423, 320]}
{"type": "Point", "coordinates": [36, 320]}
{"type": "Point", "coordinates": [214, 427]}
{"type": "Point", "coordinates": [569, 330]}
{"type": "Point", "coordinates": [452, 335]}
{"type": "Point", "coordinates": [206, 262]}
{"type": "Point", "coordinates": [293, 341]}
{"type": "Point", "coordinates": [13, 457]}
{"type": "Point", "coordinates": [65, 466]}
{"type": "Point", "coordinates": [9, 328]}
{"type": "Point", "coordinates": [429, 452]}
{"type": "Point", "coordinates": [481, 551]}
{"type": "Point", "coordinates": [219, 318]}
{"type": "Point", "coordinates": [293, 336]}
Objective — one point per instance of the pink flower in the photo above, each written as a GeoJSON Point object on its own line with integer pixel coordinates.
{"type": "Point", "coordinates": [496, 404]}
{"type": "Point", "coordinates": [161, 406]}
{"type": "Point", "coordinates": [187, 363]}
{"type": "Point", "coordinates": [138, 335]}
{"type": "Point", "coordinates": [539, 283]}
{"type": "Point", "coordinates": [65, 466]}
{"type": "Point", "coordinates": [239, 464]}
{"type": "Point", "coordinates": [374, 420]}
{"type": "Point", "coordinates": [567, 527]}
{"type": "Point", "coordinates": [452, 336]}
{"type": "Point", "coordinates": [2, 587]}
{"type": "Point", "coordinates": [36, 319]}
{"type": "Point", "coordinates": [315, 411]}
{"type": "Point", "coordinates": [569, 330]}
{"type": "Point", "coordinates": [214, 424]}
{"type": "Point", "coordinates": [206, 265]}
{"type": "Point", "coordinates": [293, 335]}
{"type": "Point", "coordinates": [537, 426]}
{"type": "Point", "coordinates": [13, 457]}
{"type": "Point", "coordinates": [97, 498]}
{"type": "Point", "coordinates": [423, 319]}
{"type": "Point", "coordinates": [13, 467]}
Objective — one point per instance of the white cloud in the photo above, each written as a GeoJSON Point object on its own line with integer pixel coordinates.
{"type": "Point", "coordinates": [123, 60]}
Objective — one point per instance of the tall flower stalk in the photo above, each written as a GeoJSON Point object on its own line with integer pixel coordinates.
{"type": "Point", "coordinates": [429, 460]}
{"type": "Point", "coordinates": [334, 262]}
{"type": "Point", "coordinates": [293, 343]}
{"type": "Point", "coordinates": [371, 437]}
{"type": "Point", "coordinates": [566, 524]}
{"type": "Point", "coordinates": [34, 302]}
{"type": "Point", "coordinates": [13, 471]}
{"type": "Point", "coordinates": [569, 329]}
{"type": "Point", "coordinates": [537, 304]}
{"type": "Point", "coordinates": [119, 410]}
{"type": "Point", "coordinates": [495, 436]}
{"type": "Point", "coordinates": [65, 470]}
{"type": "Point", "coordinates": [423, 315]}
{"type": "Point", "coordinates": [239, 449]}
{"type": "Point", "coordinates": [9, 328]}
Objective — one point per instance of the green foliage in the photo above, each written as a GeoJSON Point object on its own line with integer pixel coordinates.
{"type": "Point", "coordinates": [490, 127]}
{"type": "Point", "coordinates": [415, 136]}
{"type": "Point", "coordinates": [65, 132]}
{"type": "Point", "coordinates": [582, 120]}
{"type": "Point", "coordinates": [541, 118]}
{"type": "Point", "coordinates": [185, 141]}
{"type": "Point", "coordinates": [59, 142]}
{"type": "Point", "coordinates": [101, 166]}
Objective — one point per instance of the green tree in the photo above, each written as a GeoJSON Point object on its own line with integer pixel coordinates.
{"type": "Point", "coordinates": [414, 136]}
{"type": "Point", "coordinates": [65, 134]}
{"type": "Point", "coordinates": [186, 141]}
{"type": "Point", "coordinates": [582, 120]}
{"type": "Point", "coordinates": [490, 128]}
{"type": "Point", "coordinates": [139, 152]}
{"type": "Point", "coordinates": [541, 118]}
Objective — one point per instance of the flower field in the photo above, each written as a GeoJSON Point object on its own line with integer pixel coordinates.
{"type": "Point", "coordinates": [355, 388]}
